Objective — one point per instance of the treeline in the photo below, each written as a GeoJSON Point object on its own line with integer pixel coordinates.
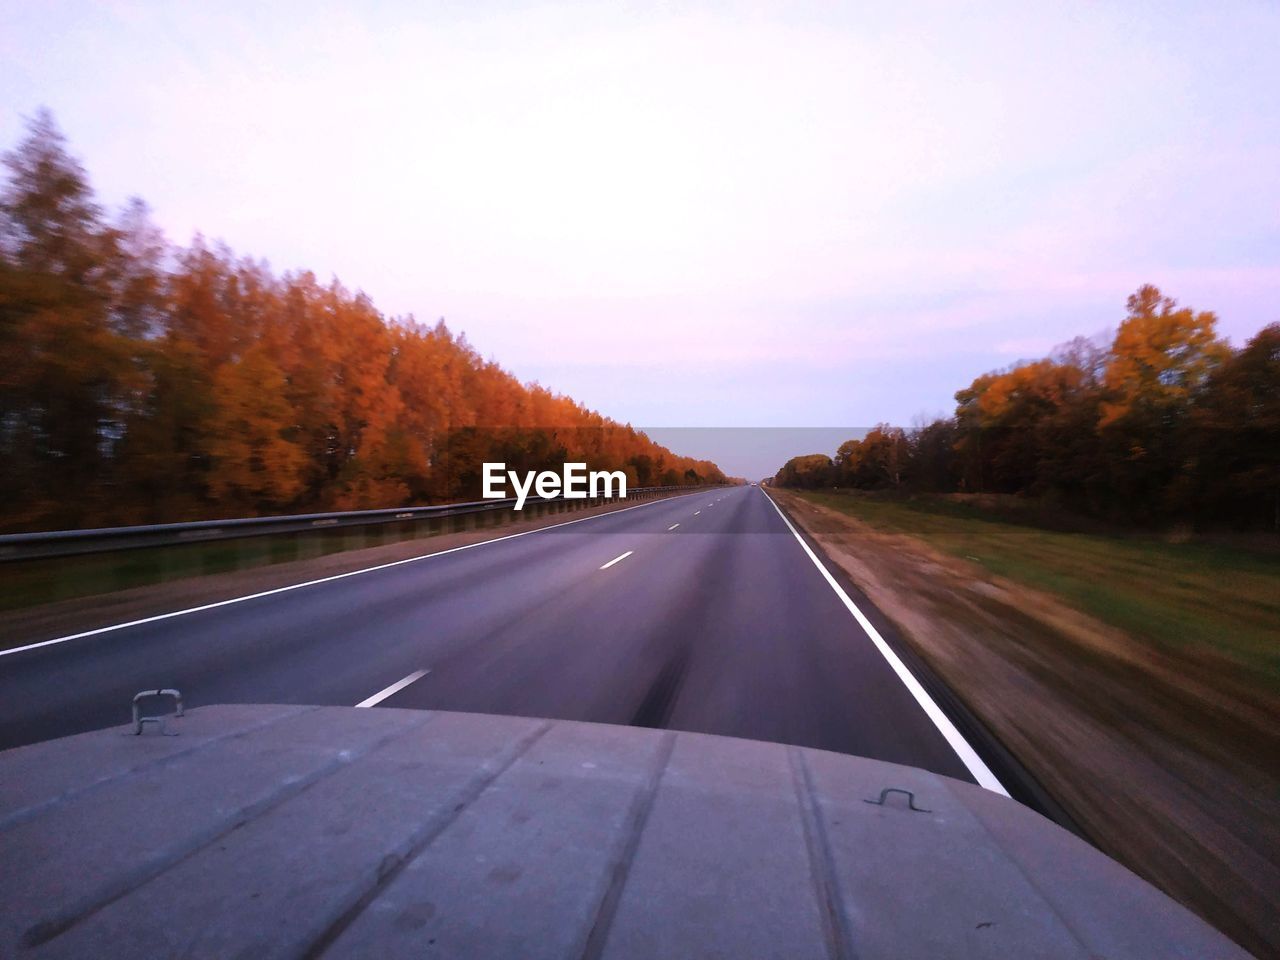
{"type": "Point", "coordinates": [1165, 423]}
{"type": "Point", "coordinates": [143, 383]}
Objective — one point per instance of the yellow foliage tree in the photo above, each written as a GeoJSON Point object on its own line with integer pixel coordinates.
{"type": "Point", "coordinates": [254, 462]}
{"type": "Point", "coordinates": [1160, 356]}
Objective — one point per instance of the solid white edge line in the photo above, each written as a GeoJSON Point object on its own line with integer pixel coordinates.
{"type": "Point", "coordinates": [672, 527]}
{"type": "Point", "coordinates": [313, 583]}
{"type": "Point", "coordinates": [968, 756]}
{"type": "Point", "coordinates": [616, 559]}
{"type": "Point", "coordinates": [394, 688]}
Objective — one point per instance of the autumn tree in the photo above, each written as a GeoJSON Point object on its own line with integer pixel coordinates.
{"type": "Point", "coordinates": [254, 462]}
{"type": "Point", "coordinates": [147, 383]}
{"type": "Point", "coordinates": [845, 463]}
{"type": "Point", "coordinates": [934, 465]}
{"type": "Point", "coordinates": [1236, 436]}
{"type": "Point", "coordinates": [807, 472]}
{"type": "Point", "coordinates": [1159, 362]}
{"type": "Point", "coordinates": [68, 380]}
{"type": "Point", "coordinates": [1160, 357]}
{"type": "Point", "coordinates": [882, 458]}
{"type": "Point", "coordinates": [1164, 421]}
{"type": "Point", "coordinates": [1012, 425]}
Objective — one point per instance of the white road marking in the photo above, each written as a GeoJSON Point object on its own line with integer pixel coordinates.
{"type": "Point", "coordinates": [396, 687]}
{"type": "Point", "coordinates": [696, 512]}
{"type": "Point", "coordinates": [616, 559]}
{"type": "Point", "coordinates": [968, 756]}
{"type": "Point", "coordinates": [672, 527]}
{"type": "Point", "coordinates": [312, 583]}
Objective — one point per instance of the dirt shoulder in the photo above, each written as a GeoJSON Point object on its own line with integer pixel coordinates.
{"type": "Point", "coordinates": [49, 620]}
{"type": "Point", "coordinates": [1164, 768]}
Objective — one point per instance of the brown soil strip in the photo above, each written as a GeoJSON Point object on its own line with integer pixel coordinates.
{"type": "Point", "coordinates": [1167, 765]}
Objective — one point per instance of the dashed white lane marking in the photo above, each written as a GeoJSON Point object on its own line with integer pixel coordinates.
{"type": "Point", "coordinates": [696, 512]}
{"type": "Point", "coordinates": [672, 527]}
{"type": "Point", "coordinates": [312, 583]}
{"type": "Point", "coordinates": [396, 687]}
{"type": "Point", "coordinates": [968, 756]}
{"type": "Point", "coordinates": [616, 559]}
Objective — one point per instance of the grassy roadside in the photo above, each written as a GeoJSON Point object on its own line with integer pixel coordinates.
{"type": "Point", "coordinates": [1134, 679]}
{"type": "Point", "coordinates": [32, 623]}
{"type": "Point", "coordinates": [1174, 595]}
{"type": "Point", "coordinates": [32, 583]}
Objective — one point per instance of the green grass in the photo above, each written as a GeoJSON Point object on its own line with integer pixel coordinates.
{"type": "Point", "coordinates": [1195, 594]}
{"type": "Point", "coordinates": [28, 583]}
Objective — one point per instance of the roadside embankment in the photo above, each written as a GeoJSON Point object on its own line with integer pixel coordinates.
{"type": "Point", "coordinates": [1164, 748]}
{"type": "Point", "coordinates": [252, 567]}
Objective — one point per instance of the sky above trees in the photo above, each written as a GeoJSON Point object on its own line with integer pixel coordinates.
{"type": "Point", "coordinates": [1165, 422]}
{"type": "Point", "coordinates": [720, 215]}
{"type": "Point", "coordinates": [145, 385]}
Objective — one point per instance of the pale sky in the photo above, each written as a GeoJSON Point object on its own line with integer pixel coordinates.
{"type": "Point", "coordinates": [733, 214]}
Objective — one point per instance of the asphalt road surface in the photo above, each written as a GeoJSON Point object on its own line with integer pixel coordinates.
{"type": "Point", "coordinates": [703, 612]}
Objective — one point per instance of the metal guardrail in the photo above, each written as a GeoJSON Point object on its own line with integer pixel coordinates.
{"type": "Point", "coordinates": [65, 543]}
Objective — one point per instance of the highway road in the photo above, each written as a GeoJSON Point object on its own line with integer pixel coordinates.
{"type": "Point", "coordinates": [704, 612]}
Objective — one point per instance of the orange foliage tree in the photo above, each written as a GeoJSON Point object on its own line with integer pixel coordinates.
{"type": "Point", "coordinates": [1165, 422]}
{"type": "Point", "coordinates": [147, 384]}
